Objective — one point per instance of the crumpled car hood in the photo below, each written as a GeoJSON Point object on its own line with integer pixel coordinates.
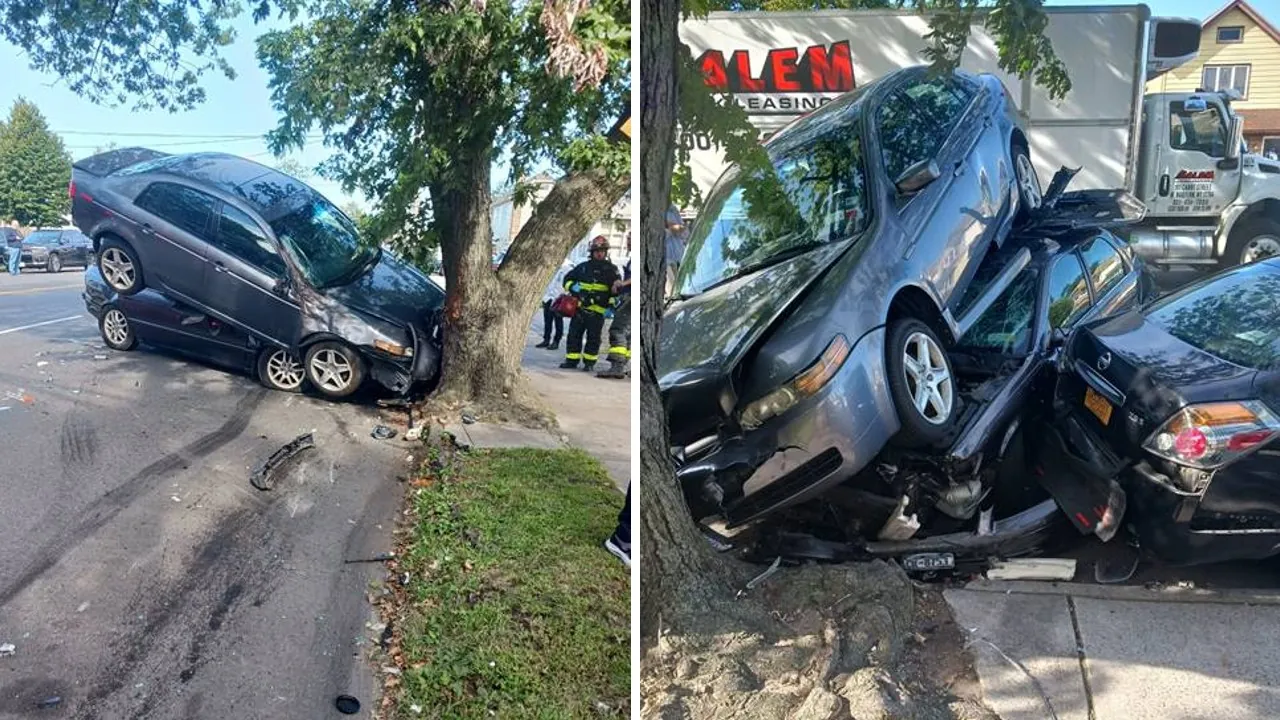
{"type": "Point", "coordinates": [392, 290]}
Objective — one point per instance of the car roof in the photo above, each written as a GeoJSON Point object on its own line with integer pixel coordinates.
{"type": "Point", "coordinates": [258, 185]}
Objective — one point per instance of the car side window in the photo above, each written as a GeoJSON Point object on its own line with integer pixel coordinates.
{"type": "Point", "coordinates": [239, 235]}
{"type": "Point", "coordinates": [1106, 268]}
{"type": "Point", "coordinates": [1005, 327]}
{"type": "Point", "coordinates": [185, 207]}
{"type": "Point", "coordinates": [916, 120]}
{"type": "Point", "coordinates": [1068, 291]}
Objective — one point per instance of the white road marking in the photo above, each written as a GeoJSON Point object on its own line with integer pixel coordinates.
{"type": "Point", "coordinates": [39, 324]}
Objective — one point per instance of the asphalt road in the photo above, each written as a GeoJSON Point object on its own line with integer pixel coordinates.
{"type": "Point", "coordinates": [141, 575]}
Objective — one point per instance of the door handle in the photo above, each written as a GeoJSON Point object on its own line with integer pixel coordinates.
{"type": "Point", "coordinates": [219, 267]}
{"type": "Point", "coordinates": [146, 228]}
{"type": "Point", "coordinates": [1164, 185]}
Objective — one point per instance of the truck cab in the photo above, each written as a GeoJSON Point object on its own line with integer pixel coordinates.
{"type": "Point", "coordinates": [1210, 202]}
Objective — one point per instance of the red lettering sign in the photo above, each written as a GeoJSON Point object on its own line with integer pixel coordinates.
{"type": "Point", "coordinates": [821, 69]}
{"type": "Point", "coordinates": [1194, 175]}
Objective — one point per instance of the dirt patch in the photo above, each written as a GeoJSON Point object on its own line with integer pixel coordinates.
{"type": "Point", "coordinates": [520, 405]}
{"type": "Point", "coordinates": [856, 640]}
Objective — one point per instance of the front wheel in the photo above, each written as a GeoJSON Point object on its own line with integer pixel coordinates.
{"type": "Point", "coordinates": [1030, 197]}
{"type": "Point", "coordinates": [281, 370]}
{"type": "Point", "coordinates": [1256, 240]}
{"type": "Point", "coordinates": [117, 331]}
{"type": "Point", "coordinates": [120, 266]}
{"type": "Point", "coordinates": [54, 263]}
{"type": "Point", "coordinates": [334, 368]}
{"type": "Point", "coordinates": [921, 382]}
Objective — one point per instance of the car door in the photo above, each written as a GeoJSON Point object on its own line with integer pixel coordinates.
{"type": "Point", "coordinates": [77, 247]}
{"type": "Point", "coordinates": [174, 237]}
{"type": "Point", "coordinates": [247, 279]}
{"type": "Point", "coordinates": [1068, 293]}
{"type": "Point", "coordinates": [1112, 281]}
{"type": "Point", "coordinates": [928, 119]}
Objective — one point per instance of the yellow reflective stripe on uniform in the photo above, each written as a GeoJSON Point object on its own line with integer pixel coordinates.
{"type": "Point", "coordinates": [589, 357]}
{"type": "Point", "coordinates": [595, 309]}
{"type": "Point", "coordinates": [595, 287]}
{"type": "Point", "coordinates": [620, 351]}
{"type": "Point", "coordinates": [573, 356]}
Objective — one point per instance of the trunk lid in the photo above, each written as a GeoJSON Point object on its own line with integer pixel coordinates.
{"type": "Point", "coordinates": [111, 161]}
{"type": "Point", "coordinates": [1145, 374]}
{"type": "Point", "coordinates": [705, 337]}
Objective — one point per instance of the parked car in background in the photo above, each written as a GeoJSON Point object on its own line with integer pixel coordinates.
{"type": "Point", "coordinates": [54, 249]}
{"type": "Point", "coordinates": [265, 253]}
{"type": "Point", "coordinates": [1180, 402]}
{"type": "Point", "coordinates": [817, 303]}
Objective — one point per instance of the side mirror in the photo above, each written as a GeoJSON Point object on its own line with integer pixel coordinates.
{"type": "Point", "coordinates": [1237, 138]}
{"type": "Point", "coordinates": [917, 177]}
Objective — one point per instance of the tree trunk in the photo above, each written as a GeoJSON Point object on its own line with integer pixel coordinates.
{"type": "Point", "coordinates": [487, 313]}
{"type": "Point", "coordinates": [679, 572]}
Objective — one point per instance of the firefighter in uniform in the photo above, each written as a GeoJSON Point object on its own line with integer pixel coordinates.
{"type": "Point", "coordinates": [592, 283]}
{"type": "Point", "coordinates": [620, 331]}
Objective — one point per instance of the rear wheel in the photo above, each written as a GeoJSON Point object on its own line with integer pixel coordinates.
{"type": "Point", "coordinates": [921, 382]}
{"type": "Point", "coordinates": [334, 368]}
{"type": "Point", "coordinates": [54, 263]}
{"type": "Point", "coordinates": [120, 266]}
{"type": "Point", "coordinates": [1030, 195]}
{"type": "Point", "coordinates": [117, 331]}
{"type": "Point", "coordinates": [281, 370]}
{"type": "Point", "coordinates": [1253, 241]}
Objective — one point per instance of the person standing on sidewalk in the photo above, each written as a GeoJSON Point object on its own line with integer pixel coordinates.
{"type": "Point", "coordinates": [673, 249]}
{"type": "Point", "coordinates": [619, 543]}
{"type": "Point", "coordinates": [591, 282]}
{"type": "Point", "coordinates": [620, 330]}
{"type": "Point", "coordinates": [551, 318]}
{"type": "Point", "coordinates": [14, 246]}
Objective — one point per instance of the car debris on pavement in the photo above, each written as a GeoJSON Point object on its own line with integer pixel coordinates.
{"type": "Point", "coordinates": [263, 478]}
{"type": "Point", "coordinates": [7, 649]}
{"type": "Point", "coordinates": [382, 432]}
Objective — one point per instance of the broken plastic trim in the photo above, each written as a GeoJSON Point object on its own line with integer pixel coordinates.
{"type": "Point", "coordinates": [262, 475]}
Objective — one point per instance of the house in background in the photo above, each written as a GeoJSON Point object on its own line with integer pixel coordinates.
{"type": "Point", "coordinates": [1239, 48]}
{"type": "Point", "coordinates": [508, 218]}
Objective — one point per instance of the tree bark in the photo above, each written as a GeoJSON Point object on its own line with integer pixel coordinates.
{"type": "Point", "coordinates": [487, 312]}
{"type": "Point", "coordinates": [679, 573]}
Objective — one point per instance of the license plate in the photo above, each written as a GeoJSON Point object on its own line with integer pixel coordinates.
{"type": "Point", "coordinates": [1098, 405]}
{"type": "Point", "coordinates": [929, 561]}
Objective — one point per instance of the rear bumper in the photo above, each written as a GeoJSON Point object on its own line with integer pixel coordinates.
{"type": "Point", "coordinates": [820, 443]}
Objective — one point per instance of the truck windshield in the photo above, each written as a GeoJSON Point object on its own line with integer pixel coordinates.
{"type": "Point", "coordinates": [323, 241]}
{"type": "Point", "coordinates": [815, 192]}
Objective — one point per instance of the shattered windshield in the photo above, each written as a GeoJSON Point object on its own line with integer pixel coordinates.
{"type": "Point", "coordinates": [814, 193]}
{"type": "Point", "coordinates": [323, 241]}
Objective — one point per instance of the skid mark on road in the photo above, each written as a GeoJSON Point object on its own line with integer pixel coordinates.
{"type": "Point", "coordinates": [109, 505]}
{"type": "Point", "coordinates": [79, 442]}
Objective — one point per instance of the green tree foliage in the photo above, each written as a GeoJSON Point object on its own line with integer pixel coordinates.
{"type": "Point", "coordinates": [34, 168]}
{"type": "Point", "coordinates": [293, 168]}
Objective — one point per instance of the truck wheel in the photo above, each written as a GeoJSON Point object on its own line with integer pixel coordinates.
{"type": "Point", "coordinates": [120, 266]}
{"type": "Point", "coordinates": [1024, 172]}
{"type": "Point", "coordinates": [1256, 240]}
{"type": "Point", "coordinates": [921, 382]}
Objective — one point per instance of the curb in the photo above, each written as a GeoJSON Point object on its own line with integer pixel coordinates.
{"type": "Point", "coordinates": [1129, 593]}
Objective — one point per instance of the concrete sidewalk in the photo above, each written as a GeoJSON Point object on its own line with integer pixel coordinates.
{"type": "Point", "coordinates": [594, 413]}
{"type": "Point", "coordinates": [1122, 652]}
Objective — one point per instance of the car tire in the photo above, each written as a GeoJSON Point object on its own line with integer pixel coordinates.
{"type": "Point", "coordinates": [1254, 240]}
{"type": "Point", "coordinates": [1027, 182]}
{"type": "Point", "coordinates": [117, 331]}
{"type": "Point", "coordinates": [913, 382]}
{"type": "Point", "coordinates": [53, 264]}
{"type": "Point", "coordinates": [280, 369]}
{"type": "Point", "coordinates": [119, 265]}
{"type": "Point", "coordinates": [334, 368]}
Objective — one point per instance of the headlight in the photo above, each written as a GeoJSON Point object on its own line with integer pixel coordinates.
{"type": "Point", "coordinates": [392, 348]}
{"type": "Point", "coordinates": [804, 385]}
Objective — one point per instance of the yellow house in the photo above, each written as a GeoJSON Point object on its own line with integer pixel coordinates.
{"type": "Point", "coordinates": [1239, 49]}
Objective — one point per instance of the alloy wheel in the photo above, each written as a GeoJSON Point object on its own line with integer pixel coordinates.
{"type": "Point", "coordinates": [928, 378]}
{"type": "Point", "coordinates": [331, 371]}
{"type": "Point", "coordinates": [117, 268]}
{"type": "Point", "coordinates": [55, 263]}
{"type": "Point", "coordinates": [1262, 246]}
{"type": "Point", "coordinates": [284, 370]}
{"type": "Point", "coordinates": [1028, 181]}
{"type": "Point", "coordinates": [116, 327]}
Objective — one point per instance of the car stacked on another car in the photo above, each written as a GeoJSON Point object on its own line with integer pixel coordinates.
{"type": "Point", "coordinates": [53, 249]}
{"type": "Point", "coordinates": [253, 249]}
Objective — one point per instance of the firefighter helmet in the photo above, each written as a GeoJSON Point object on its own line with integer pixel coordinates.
{"type": "Point", "coordinates": [599, 242]}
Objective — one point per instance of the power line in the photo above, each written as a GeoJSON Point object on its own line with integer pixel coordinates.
{"type": "Point", "coordinates": [100, 133]}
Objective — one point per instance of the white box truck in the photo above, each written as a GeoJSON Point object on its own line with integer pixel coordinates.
{"type": "Point", "coordinates": [1209, 203]}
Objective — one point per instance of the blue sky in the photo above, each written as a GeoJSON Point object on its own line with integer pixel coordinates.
{"type": "Point", "coordinates": [242, 107]}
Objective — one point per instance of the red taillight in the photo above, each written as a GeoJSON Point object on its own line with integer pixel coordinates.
{"type": "Point", "coordinates": [1246, 440]}
{"type": "Point", "coordinates": [71, 190]}
{"type": "Point", "coordinates": [1191, 443]}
